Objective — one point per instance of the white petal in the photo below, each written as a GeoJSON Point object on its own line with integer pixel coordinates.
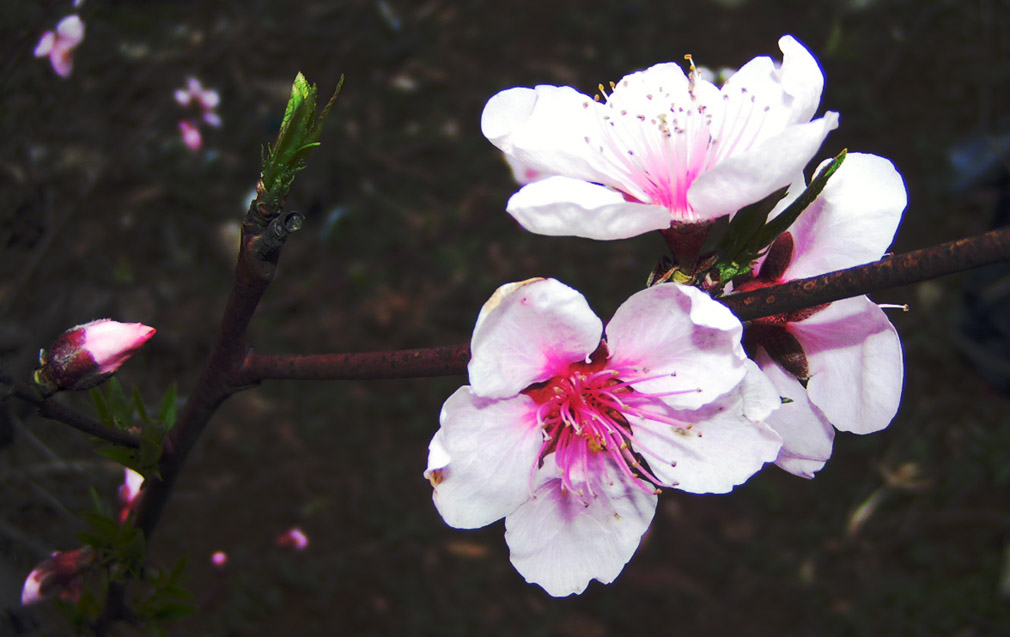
{"type": "Point", "coordinates": [675, 329]}
{"type": "Point", "coordinates": [45, 45]}
{"type": "Point", "coordinates": [756, 173]}
{"type": "Point", "coordinates": [852, 222]}
{"type": "Point", "coordinates": [801, 78]}
{"type": "Point", "coordinates": [561, 540]}
{"type": "Point", "coordinates": [721, 449]}
{"type": "Point", "coordinates": [855, 362]}
{"type": "Point", "coordinates": [807, 435]}
{"type": "Point", "coordinates": [479, 462]}
{"type": "Point", "coordinates": [532, 333]}
{"type": "Point", "coordinates": [562, 206]}
{"type": "Point", "coordinates": [71, 30]}
{"type": "Point", "coordinates": [546, 129]}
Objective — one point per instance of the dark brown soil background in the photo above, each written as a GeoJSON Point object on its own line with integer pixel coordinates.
{"type": "Point", "coordinates": [104, 213]}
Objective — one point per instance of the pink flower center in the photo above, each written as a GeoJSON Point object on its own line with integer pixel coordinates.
{"type": "Point", "coordinates": [584, 412]}
{"type": "Point", "coordinates": [658, 143]}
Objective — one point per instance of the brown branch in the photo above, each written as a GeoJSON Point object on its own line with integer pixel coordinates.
{"type": "Point", "coordinates": [451, 360]}
{"type": "Point", "coordinates": [49, 408]}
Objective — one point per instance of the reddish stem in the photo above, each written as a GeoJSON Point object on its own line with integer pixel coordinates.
{"type": "Point", "coordinates": [903, 269]}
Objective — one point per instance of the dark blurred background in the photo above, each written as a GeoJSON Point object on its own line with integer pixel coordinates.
{"type": "Point", "coordinates": [104, 212]}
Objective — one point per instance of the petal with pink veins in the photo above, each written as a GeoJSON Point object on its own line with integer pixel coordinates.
{"type": "Point", "coordinates": [562, 206]}
{"type": "Point", "coordinates": [807, 436]}
{"type": "Point", "coordinates": [750, 176]}
{"type": "Point", "coordinates": [680, 331]}
{"type": "Point", "coordinates": [852, 345]}
{"type": "Point", "coordinates": [561, 540]}
{"type": "Point", "coordinates": [852, 222]}
{"type": "Point", "coordinates": [717, 447]}
{"type": "Point", "coordinates": [480, 460]}
{"type": "Point", "coordinates": [527, 333]}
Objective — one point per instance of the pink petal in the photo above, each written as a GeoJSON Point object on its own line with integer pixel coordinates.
{"type": "Point", "coordinates": [561, 540]}
{"type": "Point", "coordinates": [61, 59]}
{"type": "Point", "coordinates": [754, 174]}
{"type": "Point", "coordinates": [111, 343]}
{"type": "Point", "coordinates": [807, 435]}
{"type": "Point", "coordinates": [480, 460]}
{"type": "Point", "coordinates": [852, 222]}
{"type": "Point", "coordinates": [856, 367]}
{"type": "Point", "coordinates": [190, 135]}
{"type": "Point", "coordinates": [718, 447]}
{"type": "Point", "coordinates": [45, 45]}
{"type": "Point", "coordinates": [529, 332]}
{"type": "Point", "coordinates": [675, 329]}
{"type": "Point", "coordinates": [562, 206]}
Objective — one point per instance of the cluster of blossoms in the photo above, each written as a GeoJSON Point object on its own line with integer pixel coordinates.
{"type": "Point", "coordinates": [205, 100]}
{"type": "Point", "coordinates": [58, 45]}
{"type": "Point", "coordinates": [569, 430]}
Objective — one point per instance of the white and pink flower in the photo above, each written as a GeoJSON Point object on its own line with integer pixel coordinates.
{"type": "Point", "coordinates": [847, 353]}
{"type": "Point", "coordinates": [569, 433]}
{"type": "Point", "coordinates": [59, 45]}
{"type": "Point", "coordinates": [86, 355]}
{"type": "Point", "coordinates": [662, 148]}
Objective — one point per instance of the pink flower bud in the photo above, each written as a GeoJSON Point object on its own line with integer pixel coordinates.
{"type": "Point", "coordinates": [190, 135]}
{"type": "Point", "coordinates": [58, 576]}
{"type": "Point", "coordinates": [128, 492]}
{"type": "Point", "coordinates": [219, 559]}
{"type": "Point", "coordinates": [86, 355]}
{"type": "Point", "coordinates": [294, 538]}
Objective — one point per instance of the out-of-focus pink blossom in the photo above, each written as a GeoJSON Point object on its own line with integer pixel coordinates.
{"type": "Point", "coordinates": [58, 576]}
{"type": "Point", "coordinates": [205, 100]}
{"type": "Point", "coordinates": [128, 492]}
{"type": "Point", "coordinates": [569, 433]}
{"type": "Point", "coordinates": [86, 355]}
{"type": "Point", "coordinates": [219, 559]}
{"type": "Point", "coordinates": [59, 45]}
{"type": "Point", "coordinates": [190, 135]}
{"type": "Point", "coordinates": [294, 538]}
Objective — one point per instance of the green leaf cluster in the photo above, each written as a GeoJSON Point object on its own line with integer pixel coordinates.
{"type": "Point", "coordinates": [299, 134]}
{"type": "Point", "coordinates": [118, 411]}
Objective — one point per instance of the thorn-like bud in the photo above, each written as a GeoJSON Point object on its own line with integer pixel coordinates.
{"type": "Point", "coordinates": [86, 355]}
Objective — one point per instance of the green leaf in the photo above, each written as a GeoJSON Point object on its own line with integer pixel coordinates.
{"type": "Point", "coordinates": [101, 406]}
{"type": "Point", "coordinates": [138, 401]}
{"type": "Point", "coordinates": [98, 503]}
{"type": "Point", "coordinates": [120, 406]}
{"type": "Point", "coordinates": [299, 134]}
{"type": "Point", "coordinates": [169, 408]}
{"type": "Point", "coordinates": [781, 223]}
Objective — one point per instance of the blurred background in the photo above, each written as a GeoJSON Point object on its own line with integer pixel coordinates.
{"type": "Point", "coordinates": [104, 211]}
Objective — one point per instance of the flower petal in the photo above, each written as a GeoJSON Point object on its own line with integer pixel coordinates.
{"type": "Point", "coordinates": [531, 332]}
{"type": "Point", "coordinates": [561, 540]}
{"type": "Point", "coordinates": [754, 174]}
{"type": "Point", "coordinates": [855, 361]}
{"type": "Point", "coordinates": [70, 30]}
{"type": "Point", "coordinates": [479, 461]}
{"type": "Point", "coordinates": [45, 45]}
{"type": "Point", "coordinates": [852, 222]}
{"type": "Point", "coordinates": [546, 129]}
{"type": "Point", "coordinates": [678, 330]}
{"type": "Point", "coordinates": [717, 449]}
{"type": "Point", "coordinates": [562, 206]}
{"type": "Point", "coordinates": [806, 434]}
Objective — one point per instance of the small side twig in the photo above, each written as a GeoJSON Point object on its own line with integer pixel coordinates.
{"type": "Point", "coordinates": [53, 410]}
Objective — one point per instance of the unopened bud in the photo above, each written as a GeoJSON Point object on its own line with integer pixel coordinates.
{"type": "Point", "coordinates": [128, 492]}
{"type": "Point", "coordinates": [59, 576]}
{"type": "Point", "coordinates": [86, 355]}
